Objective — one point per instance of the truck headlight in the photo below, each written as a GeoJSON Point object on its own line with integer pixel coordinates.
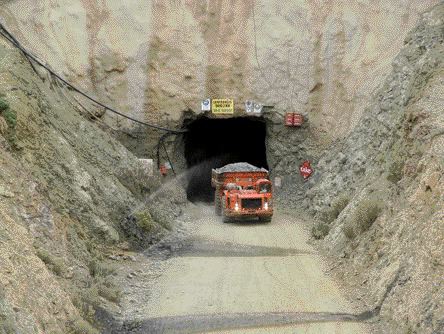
{"type": "Point", "coordinates": [266, 205]}
{"type": "Point", "coordinates": [236, 207]}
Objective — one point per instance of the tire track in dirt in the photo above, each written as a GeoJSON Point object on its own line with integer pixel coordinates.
{"type": "Point", "coordinates": [233, 278]}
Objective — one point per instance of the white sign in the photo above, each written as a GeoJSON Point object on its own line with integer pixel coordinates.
{"type": "Point", "coordinates": [277, 182]}
{"type": "Point", "coordinates": [249, 106]}
{"type": "Point", "coordinates": [206, 105]}
{"type": "Point", "coordinates": [258, 107]}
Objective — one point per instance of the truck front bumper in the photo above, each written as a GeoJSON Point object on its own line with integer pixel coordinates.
{"type": "Point", "coordinates": [248, 214]}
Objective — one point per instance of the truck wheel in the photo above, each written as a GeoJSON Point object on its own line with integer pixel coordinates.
{"type": "Point", "coordinates": [225, 219]}
{"type": "Point", "coordinates": [217, 203]}
{"type": "Point", "coordinates": [265, 219]}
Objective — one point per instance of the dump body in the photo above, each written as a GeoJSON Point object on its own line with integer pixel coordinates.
{"type": "Point", "coordinates": [242, 191]}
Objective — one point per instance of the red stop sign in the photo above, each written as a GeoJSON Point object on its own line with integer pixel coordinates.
{"type": "Point", "coordinates": [306, 169]}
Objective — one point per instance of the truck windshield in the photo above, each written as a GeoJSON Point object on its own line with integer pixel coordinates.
{"type": "Point", "coordinates": [264, 188]}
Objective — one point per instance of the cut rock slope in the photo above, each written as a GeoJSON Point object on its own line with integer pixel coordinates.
{"type": "Point", "coordinates": [156, 60]}
{"type": "Point", "coordinates": [66, 187]}
{"type": "Point", "coordinates": [389, 174]}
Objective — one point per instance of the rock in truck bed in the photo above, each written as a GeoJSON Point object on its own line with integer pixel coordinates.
{"type": "Point", "coordinates": [239, 167]}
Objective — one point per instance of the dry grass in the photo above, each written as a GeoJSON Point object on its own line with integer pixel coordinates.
{"type": "Point", "coordinates": [363, 217]}
{"type": "Point", "coordinates": [395, 161]}
{"type": "Point", "coordinates": [329, 214]}
{"type": "Point", "coordinates": [10, 117]}
{"type": "Point", "coordinates": [54, 263]}
{"type": "Point", "coordinates": [145, 221]}
{"type": "Point", "coordinates": [320, 230]}
{"type": "Point", "coordinates": [395, 171]}
{"type": "Point", "coordinates": [98, 268]}
{"type": "Point", "coordinates": [110, 292]}
{"type": "Point", "coordinates": [87, 299]}
{"type": "Point", "coordinates": [80, 326]}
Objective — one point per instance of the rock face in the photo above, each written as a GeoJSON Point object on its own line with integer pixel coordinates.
{"type": "Point", "coordinates": [66, 180]}
{"type": "Point", "coordinates": [155, 59]}
{"type": "Point", "coordinates": [389, 229]}
{"type": "Point", "coordinates": [66, 187]}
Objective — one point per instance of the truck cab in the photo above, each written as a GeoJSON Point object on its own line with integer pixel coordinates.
{"type": "Point", "coordinates": [243, 192]}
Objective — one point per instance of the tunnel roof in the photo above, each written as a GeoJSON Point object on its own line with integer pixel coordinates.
{"type": "Point", "coordinates": [239, 167]}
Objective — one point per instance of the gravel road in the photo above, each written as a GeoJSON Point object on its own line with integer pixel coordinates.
{"type": "Point", "coordinates": [234, 278]}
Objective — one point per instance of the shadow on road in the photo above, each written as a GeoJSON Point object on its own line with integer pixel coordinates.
{"type": "Point", "coordinates": [212, 248]}
{"type": "Point", "coordinates": [213, 322]}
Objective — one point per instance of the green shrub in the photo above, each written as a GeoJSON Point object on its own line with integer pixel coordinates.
{"type": "Point", "coordinates": [10, 118]}
{"type": "Point", "coordinates": [56, 264]}
{"type": "Point", "coordinates": [110, 292]}
{"type": "Point", "coordinates": [320, 230]}
{"type": "Point", "coordinates": [395, 171]}
{"type": "Point", "coordinates": [100, 269]}
{"type": "Point", "coordinates": [362, 218]}
{"type": "Point", "coordinates": [349, 230]}
{"type": "Point", "coordinates": [329, 214]}
{"type": "Point", "coordinates": [86, 300]}
{"type": "Point", "coordinates": [367, 213]}
{"type": "Point", "coordinates": [3, 105]}
{"type": "Point", "coordinates": [80, 326]}
{"type": "Point", "coordinates": [145, 221]}
{"type": "Point", "coordinates": [395, 161]}
{"type": "Point", "coordinates": [9, 115]}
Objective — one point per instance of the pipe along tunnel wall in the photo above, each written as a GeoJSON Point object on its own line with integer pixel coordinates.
{"type": "Point", "coordinates": [213, 143]}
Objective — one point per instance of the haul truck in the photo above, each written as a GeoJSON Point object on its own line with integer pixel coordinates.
{"type": "Point", "coordinates": [242, 191]}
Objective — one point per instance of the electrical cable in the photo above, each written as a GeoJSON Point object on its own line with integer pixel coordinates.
{"type": "Point", "coordinates": [5, 33]}
{"type": "Point", "coordinates": [30, 57]}
{"type": "Point", "coordinates": [161, 144]}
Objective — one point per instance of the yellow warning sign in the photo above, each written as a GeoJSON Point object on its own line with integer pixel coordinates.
{"type": "Point", "coordinates": [222, 106]}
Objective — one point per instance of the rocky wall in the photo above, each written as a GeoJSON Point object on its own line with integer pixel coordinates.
{"type": "Point", "coordinates": [378, 194]}
{"type": "Point", "coordinates": [155, 60]}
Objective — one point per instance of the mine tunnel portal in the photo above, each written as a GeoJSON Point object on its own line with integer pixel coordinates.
{"type": "Point", "coordinates": [213, 143]}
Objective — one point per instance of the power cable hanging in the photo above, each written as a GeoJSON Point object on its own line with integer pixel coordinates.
{"type": "Point", "coordinates": [161, 144]}
{"type": "Point", "coordinates": [6, 34]}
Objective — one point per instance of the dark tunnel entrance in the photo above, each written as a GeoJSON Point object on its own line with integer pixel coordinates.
{"type": "Point", "coordinates": [213, 143]}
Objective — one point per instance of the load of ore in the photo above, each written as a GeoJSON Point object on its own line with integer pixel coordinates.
{"type": "Point", "coordinates": [239, 167]}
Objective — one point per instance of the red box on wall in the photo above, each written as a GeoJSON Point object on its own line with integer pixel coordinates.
{"type": "Point", "coordinates": [289, 119]}
{"type": "Point", "coordinates": [298, 120]}
{"type": "Point", "coordinates": [293, 119]}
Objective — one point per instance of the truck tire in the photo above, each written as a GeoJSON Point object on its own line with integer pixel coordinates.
{"type": "Point", "coordinates": [265, 219]}
{"type": "Point", "coordinates": [225, 219]}
{"type": "Point", "coordinates": [217, 203]}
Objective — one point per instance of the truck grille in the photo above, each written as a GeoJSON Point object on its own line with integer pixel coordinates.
{"type": "Point", "coordinates": [252, 203]}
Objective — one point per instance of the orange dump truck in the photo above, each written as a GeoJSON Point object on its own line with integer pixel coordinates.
{"type": "Point", "coordinates": [242, 191]}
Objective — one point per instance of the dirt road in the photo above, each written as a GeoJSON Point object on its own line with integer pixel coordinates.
{"type": "Point", "coordinates": [236, 278]}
